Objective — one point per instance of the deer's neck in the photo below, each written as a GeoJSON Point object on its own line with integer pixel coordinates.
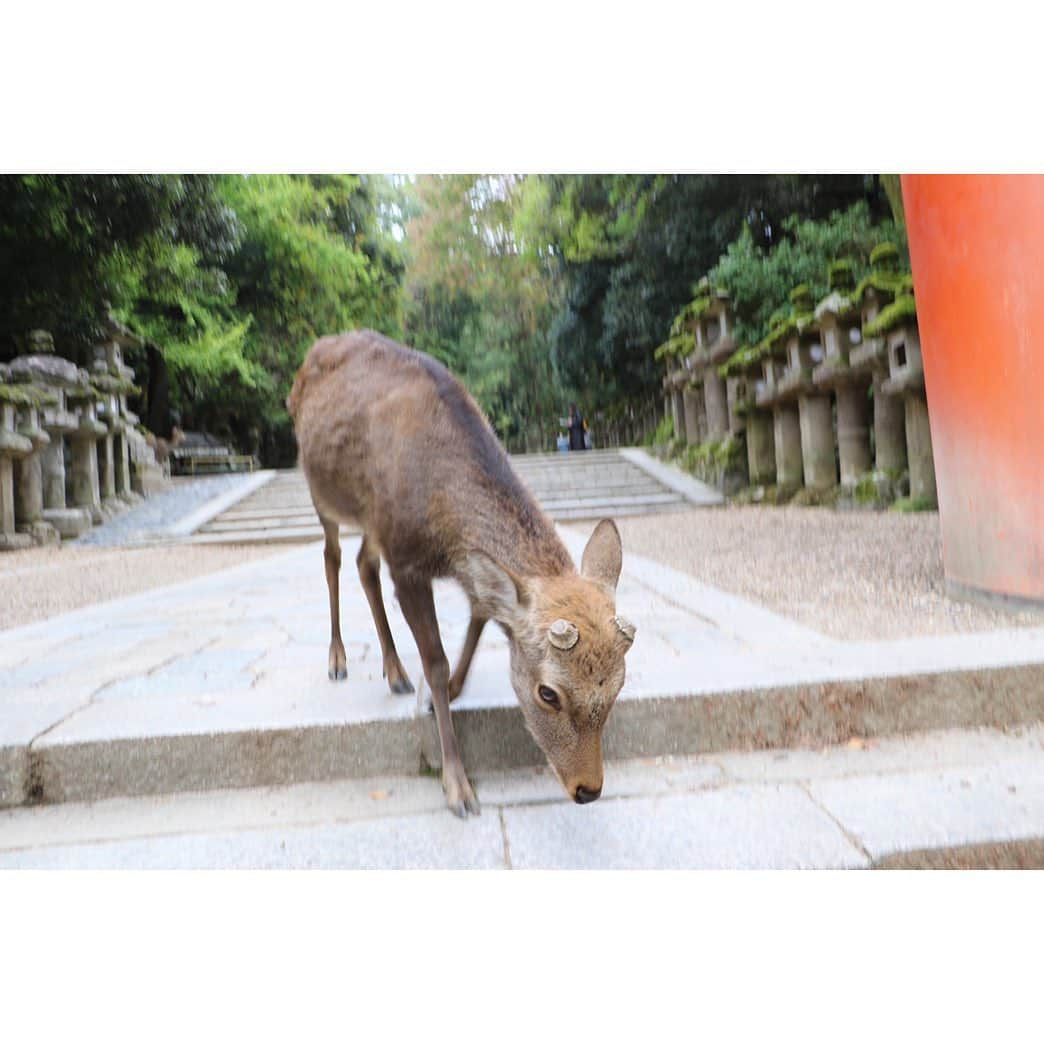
{"type": "Point", "coordinates": [513, 531]}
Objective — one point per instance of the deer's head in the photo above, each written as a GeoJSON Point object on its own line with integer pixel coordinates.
{"type": "Point", "coordinates": [567, 653]}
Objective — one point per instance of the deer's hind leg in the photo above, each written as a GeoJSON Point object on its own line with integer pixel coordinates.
{"type": "Point", "coordinates": [369, 563]}
{"type": "Point", "coordinates": [338, 662]}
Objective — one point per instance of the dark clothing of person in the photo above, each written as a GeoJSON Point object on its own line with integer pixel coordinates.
{"type": "Point", "coordinates": [576, 432]}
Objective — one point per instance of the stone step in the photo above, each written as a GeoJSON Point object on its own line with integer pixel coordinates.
{"type": "Point", "coordinates": [221, 682]}
{"type": "Point", "coordinates": [579, 486]}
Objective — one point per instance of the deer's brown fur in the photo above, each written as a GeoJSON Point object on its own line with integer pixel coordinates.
{"type": "Point", "coordinates": [391, 441]}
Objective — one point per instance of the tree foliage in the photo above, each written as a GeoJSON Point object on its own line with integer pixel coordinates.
{"type": "Point", "coordinates": [230, 277]}
{"type": "Point", "coordinates": [759, 280]}
{"type": "Point", "coordinates": [536, 290]}
{"type": "Point", "coordinates": [476, 299]}
{"type": "Point", "coordinates": [630, 247]}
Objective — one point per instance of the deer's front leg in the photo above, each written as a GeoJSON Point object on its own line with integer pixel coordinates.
{"type": "Point", "coordinates": [418, 606]}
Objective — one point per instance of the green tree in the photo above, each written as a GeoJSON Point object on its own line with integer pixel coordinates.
{"type": "Point", "coordinates": [480, 302]}
{"type": "Point", "coordinates": [71, 246]}
{"type": "Point", "coordinates": [630, 247]}
{"type": "Point", "coordinates": [759, 280]}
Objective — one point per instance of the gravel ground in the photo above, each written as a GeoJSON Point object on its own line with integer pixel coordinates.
{"type": "Point", "coordinates": [46, 581]}
{"type": "Point", "coordinates": [98, 566]}
{"type": "Point", "coordinates": [851, 575]}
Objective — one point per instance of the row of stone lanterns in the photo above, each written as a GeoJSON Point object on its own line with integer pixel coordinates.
{"type": "Point", "coordinates": [834, 394]}
{"type": "Point", "coordinates": [65, 441]}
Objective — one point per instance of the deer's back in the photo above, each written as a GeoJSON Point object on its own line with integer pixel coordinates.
{"type": "Point", "coordinates": [390, 440]}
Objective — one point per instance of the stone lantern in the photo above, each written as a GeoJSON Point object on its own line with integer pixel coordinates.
{"type": "Point", "coordinates": [112, 379]}
{"type": "Point", "coordinates": [681, 381]}
{"type": "Point", "coordinates": [786, 421]}
{"type": "Point", "coordinates": [84, 487]}
{"type": "Point", "coordinates": [13, 447]}
{"type": "Point", "coordinates": [839, 320]}
{"type": "Point", "coordinates": [712, 329]}
{"type": "Point", "coordinates": [874, 293]}
{"type": "Point", "coordinates": [896, 327]}
{"type": "Point", "coordinates": [55, 378]}
{"type": "Point", "coordinates": [743, 375]}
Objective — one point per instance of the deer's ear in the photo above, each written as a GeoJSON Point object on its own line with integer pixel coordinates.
{"type": "Point", "coordinates": [497, 593]}
{"type": "Point", "coordinates": [603, 557]}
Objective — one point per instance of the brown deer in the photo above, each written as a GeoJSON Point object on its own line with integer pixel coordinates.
{"type": "Point", "coordinates": [391, 441]}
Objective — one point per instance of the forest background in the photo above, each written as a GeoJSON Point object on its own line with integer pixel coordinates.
{"type": "Point", "coordinates": [537, 290]}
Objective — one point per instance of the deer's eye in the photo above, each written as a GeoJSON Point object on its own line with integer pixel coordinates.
{"type": "Point", "coordinates": [549, 696]}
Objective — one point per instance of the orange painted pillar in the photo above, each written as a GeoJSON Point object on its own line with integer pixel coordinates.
{"type": "Point", "coordinates": [977, 251]}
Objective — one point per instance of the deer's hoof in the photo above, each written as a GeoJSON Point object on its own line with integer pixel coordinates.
{"type": "Point", "coordinates": [461, 809]}
{"type": "Point", "coordinates": [401, 686]}
{"type": "Point", "coordinates": [460, 797]}
{"type": "Point", "coordinates": [337, 673]}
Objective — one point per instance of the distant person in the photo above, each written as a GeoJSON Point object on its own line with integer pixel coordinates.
{"type": "Point", "coordinates": [563, 442]}
{"type": "Point", "coordinates": [577, 429]}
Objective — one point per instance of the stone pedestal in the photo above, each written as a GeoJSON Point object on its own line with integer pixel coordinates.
{"type": "Point", "coordinates": [716, 402]}
{"type": "Point", "coordinates": [52, 463]}
{"type": "Point", "coordinates": [86, 491]}
{"type": "Point", "coordinates": [738, 397]}
{"type": "Point", "coordinates": [122, 466]}
{"type": "Point", "coordinates": [817, 441]}
{"type": "Point", "coordinates": [13, 447]}
{"type": "Point", "coordinates": [786, 432]}
{"type": "Point", "coordinates": [853, 432]}
{"type": "Point", "coordinates": [7, 509]}
{"type": "Point", "coordinates": [919, 450]}
{"type": "Point", "coordinates": [70, 522]}
{"type": "Point", "coordinates": [761, 448]}
{"type": "Point", "coordinates": [889, 430]}
{"type": "Point", "coordinates": [691, 430]}
{"type": "Point", "coordinates": [678, 413]}
{"type": "Point", "coordinates": [29, 472]}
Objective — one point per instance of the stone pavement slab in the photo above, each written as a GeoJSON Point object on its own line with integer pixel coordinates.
{"type": "Point", "coordinates": [753, 827]}
{"type": "Point", "coordinates": [1001, 802]}
{"type": "Point", "coordinates": [838, 807]}
{"type": "Point", "coordinates": [221, 682]}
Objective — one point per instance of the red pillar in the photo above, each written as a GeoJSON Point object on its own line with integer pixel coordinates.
{"type": "Point", "coordinates": [977, 250]}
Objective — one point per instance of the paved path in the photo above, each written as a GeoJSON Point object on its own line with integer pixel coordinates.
{"type": "Point", "coordinates": [588, 485]}
{"type": "Point", "coordinates": [159, 512]}
{"type": "Point", "coordinates": [221, 681]}
{"type": "Point", "coordinates": [849, 806]}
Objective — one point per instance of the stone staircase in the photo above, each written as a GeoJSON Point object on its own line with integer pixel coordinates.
{"type": "Point", "coordinates": [569, 486]}
{"type": "Point", "coordinates": [594, 484]}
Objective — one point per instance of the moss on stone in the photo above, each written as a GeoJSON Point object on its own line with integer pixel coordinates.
{"type": "Point", "coordinates": [27, 395]}
{"type": "Point", "coordinates": [840, 275]}
{"type": "Point", "coordinates": [114, 385]}
{"type": "Point", "coordinates": [714, 459]}
{"type": "Point", "coordinates": [676, 347]}
{"type": "Point", "coordinates": [740, 361]}
{"type": "Point", "coordinates": [801, 297]}
{"type": "Point", "coordinates": [884, 256]}
{"type": "Point", "coordinates": [865, 490]}
{"type": "Point", "coordinates": [907, 505]}
{"type": "Point", "coordinates": [901, 311]}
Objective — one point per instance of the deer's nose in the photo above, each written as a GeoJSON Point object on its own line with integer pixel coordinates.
{"type": "Point", "coordinates": [582, 795]}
